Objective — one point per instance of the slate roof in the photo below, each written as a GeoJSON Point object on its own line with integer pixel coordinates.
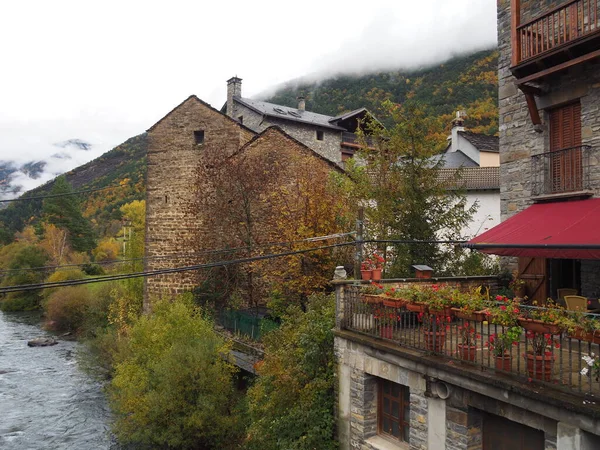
{"type": "Point", "coordinates": [473, 178]}
{"type": "Point", "coordinates": [287, 113]}
{"type": "Point", "coordinates": [454, 160]}
{"type": "Point", "coordinates": [482, 142]}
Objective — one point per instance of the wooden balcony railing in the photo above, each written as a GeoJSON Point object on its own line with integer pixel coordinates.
{"type": "Point", "coordinates": [559, 26]}
{"type": "Point", "coordinates": [352, 140]}
{"type": "Point", "coordinates": [561, 171]}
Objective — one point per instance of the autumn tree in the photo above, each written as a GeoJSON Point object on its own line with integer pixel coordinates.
{"type": "Point", "coordinates": [64, 211]}
{"type": "Point", "coordinates": [396, 179]}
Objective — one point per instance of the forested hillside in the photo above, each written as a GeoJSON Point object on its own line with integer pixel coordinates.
{"type": "Point", "coordinates": [122, 169]}
{"type": "Point", "coordinates": [467, 82]}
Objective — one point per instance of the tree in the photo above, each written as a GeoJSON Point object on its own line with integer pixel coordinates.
{"type": "Point", "coordinates": [23, 257]}
{"type": "Point", "coordinates": [172, 387]}
{"type": "Point", "coordinates": [64, 211]}
{"type": "Point", "coordinates": [292, 401]}
{"type": "Point", "coordinates": [397, 180]}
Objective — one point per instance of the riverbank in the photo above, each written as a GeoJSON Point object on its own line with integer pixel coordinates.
{"type": "Point", "coordinates": [47, 400]}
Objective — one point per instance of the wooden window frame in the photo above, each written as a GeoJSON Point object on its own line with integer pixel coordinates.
{"type": "Point", "coordinates": [402, 399]}
{"type": "Point", "coordinates": [199, 137]}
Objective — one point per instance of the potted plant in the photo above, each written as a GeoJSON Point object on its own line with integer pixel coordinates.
{"type": "Point", "coordinates": [440, 300]}
{"type": "Point", "coordinates": [540, 358]}
{"type": "Point", "coordinates": [500, 343]}
{"type": "Point", "coordinates": [551, 319]}
{"type": "Point", "coordinates": [372, 294]}
{"type": "Point", "coordinates": [468, 347]}
{"type": "Point", "coordinates": [584, 328]}
{"type": "Point", "coordinates": [377, 266]}
{"type": "Point", "coordinates": [366, 270]}
{"type": "Point", "coordinates": [505, 312]}
{"type": "Point", "coordinates": [519, 287]}
{"type": "Point", "coordinates": [417, 299]}
{"type": "Point", "coordinates": [434, 330]}
{"type": "Point", "coordinates": [470, 306]}
{"type": "Point", "coordinates": [592, 367]}
{"type": "Point", "coordinates": [387, 320]}
{"type": "Point", "coordinates": [395, 298]}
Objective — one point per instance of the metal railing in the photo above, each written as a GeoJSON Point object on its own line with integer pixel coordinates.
{"type": "Point", "coordinates": [244, 323]}
{"type": "Point", "coordinates": [561, 171]}
{"type": "Point", "coordinates": [561, 364]}
{"type": "Point", "coordinates": [559, 26]}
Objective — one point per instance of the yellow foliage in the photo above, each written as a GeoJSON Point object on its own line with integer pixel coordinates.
{"type": "Point", "coordinates": [107, 250]}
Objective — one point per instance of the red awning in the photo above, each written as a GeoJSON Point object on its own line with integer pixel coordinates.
{"type": "Point", "coordinates": [569, 230]}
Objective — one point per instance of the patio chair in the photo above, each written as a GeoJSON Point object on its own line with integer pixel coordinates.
{"type": "Point", "coordinates": [560, 294]}
{"type": "Point", "coordinates": [578, 303]}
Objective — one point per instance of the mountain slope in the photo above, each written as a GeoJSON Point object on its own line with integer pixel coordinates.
{"type": "Point", "coordinates": [467, 82]}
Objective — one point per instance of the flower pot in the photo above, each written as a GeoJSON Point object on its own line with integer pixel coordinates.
{"type": "Point", "coordinates": [376, 274]}
{"type": "Point", "coordinates": [394, 302]}
{"type": "Point", "coordinates": [372, 299]}
{"type": "Point", "coordinates": [537, 326]}
{"type": "Point", "coordinates": [581, 334]}
{"type": "Point", "coordinates": [539, 367]}
{"type": "Point", "coordinates": [435, 340]}
{"type": "Point", "coordinates": [476, 316]}
{"type": "Point", "coordinates": [366, 274]}
{"type": "Point", "coordinates": [446, 312]}
{"type": "Point", "coordinates": [467, 352]}
{"type": "Point", "coordinates": [416, 307]}
{"type": "Point", "coordinates": [503, 363]}
{"type": "Point", "coordinates": [386, 331]}
{"type": "Point", "coordinates": [520, 291]}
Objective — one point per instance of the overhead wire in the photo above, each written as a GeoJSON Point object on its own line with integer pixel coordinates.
{"type": "Point", "coordinates": [46, 285]}
{"type": "Point", "coordinates": [41, 197]}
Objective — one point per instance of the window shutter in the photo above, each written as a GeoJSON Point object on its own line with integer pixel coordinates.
{"type": "Point", "coordinates": [565, 133]}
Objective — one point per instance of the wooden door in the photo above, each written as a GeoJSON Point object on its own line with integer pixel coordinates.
{"type": "Point", "coordinates": [534, 272]}
{"type": "Point", "coordinates": [503, 434]}
{"type": "Point", "coordinates": [565, 140]}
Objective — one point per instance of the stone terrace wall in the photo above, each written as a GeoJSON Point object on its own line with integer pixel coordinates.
{"type": "Point", "coordinates": [174, 163]}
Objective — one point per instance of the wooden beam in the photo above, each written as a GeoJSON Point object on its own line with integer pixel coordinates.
{"type": "Point", "coordinates": [528, 89]}
{"type": "Point", "coordinates": [558, 67]}
{"type": "Point", "coordinates": [533, 111]}
{"type": "Point", "coordinates": [515, 42]}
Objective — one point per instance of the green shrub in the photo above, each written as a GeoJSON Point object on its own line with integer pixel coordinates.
{"type": "Point", "coordinates": [172, 388]}
{"type": "Point", "coordinates": [66, 308]}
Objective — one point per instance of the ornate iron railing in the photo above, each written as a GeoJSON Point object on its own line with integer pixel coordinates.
{"type": "Point", "coordinates": [561, 171]}
{"type": "Point", "coordinates": [562, 364]}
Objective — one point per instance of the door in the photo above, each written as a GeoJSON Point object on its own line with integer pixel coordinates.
{"type": "Point", "coordinates": [533, 271]}
{"type": "Point", "coordinates": [565, 172]}
{"type": "Point", "coordinates": [503, 434]}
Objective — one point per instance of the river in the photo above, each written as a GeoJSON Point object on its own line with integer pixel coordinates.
{"type": "Point", "coordinates": [46, 400]}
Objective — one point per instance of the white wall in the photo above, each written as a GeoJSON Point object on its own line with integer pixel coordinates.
{"type": "Point", "coordinates": [487, 215]}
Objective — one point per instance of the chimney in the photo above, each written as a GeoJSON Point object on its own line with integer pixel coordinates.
{"type": "Point", "coordinates": [234, 89]}
{"type": "Point", "coordinates": [457, 125]}
{"type": "Point", "coordinates": [301, 103]}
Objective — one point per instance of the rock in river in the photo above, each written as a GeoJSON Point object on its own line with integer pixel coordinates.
{"type": "Point", "coordinates": [42, 342]}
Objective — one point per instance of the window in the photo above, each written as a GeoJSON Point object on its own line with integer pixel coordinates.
{"type": "Point", "coordinates": [393, 410]}
{"type": "Point", "coordinates": [566, 171]}
{"type": "Point", "coordinates": [319, 135]}
{"type": "Point", "coordinates": [241, 119]}
{"type": "Point", "coordinates": [199, 136]}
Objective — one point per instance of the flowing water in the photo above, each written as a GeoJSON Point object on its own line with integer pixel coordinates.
{"type": "Point", "coordinates": [46, 400]}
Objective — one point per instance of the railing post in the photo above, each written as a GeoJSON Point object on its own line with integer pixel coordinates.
{"type": "Point", "coordinates": [515, 20]}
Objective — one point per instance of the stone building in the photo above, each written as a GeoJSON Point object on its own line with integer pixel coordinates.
{"type": "Point", "coordinates": [184, 147]}
{"type": "Point", "coordinates": [549, 92]}
{"type": "Point", "coordinates": [332, 137]}
{"type": "Point", "coordinates": [396, 391]}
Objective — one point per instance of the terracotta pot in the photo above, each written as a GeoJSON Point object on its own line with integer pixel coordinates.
{"type": "Point", "coordinates": [446, 312]}
{"type": "Point", "coordinates": [503, 363]}
{"type": "Point", "coordinates": [435, 340]}
{"type": "Point", "coordinates": [467, 352]}
{"type": "Point", "coordinates": [386, 331]}
{"type": "Point", "coordinates": [376, 274]}
{"type": "Point", "coordinates": [537, 326]}
{"type": "Point", "coordinates": [394, 302]}
{"type": "Point", "coordinates": [539, 367]}
{"type": "Point", "coordinates": [416, 307]}
{"type": "Point", "coordinates": [372, 299]}
{"type": "Point", "coordinates": [581, 334]}
{"type": "Point", "coordinates": [366, 274]}
{"type": "Point", "coordinates": [476, 316]}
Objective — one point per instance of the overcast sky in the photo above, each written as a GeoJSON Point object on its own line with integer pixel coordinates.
{"type": "Point", "coordinates": [103, 71]}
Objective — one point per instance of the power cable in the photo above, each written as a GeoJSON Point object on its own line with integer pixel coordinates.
{"type": "Point", "coordinates": [31, 287]}
{"type": "Point", "coordinates": [41, 197]}
{"type": "Point", "coordinates": [182, 255]}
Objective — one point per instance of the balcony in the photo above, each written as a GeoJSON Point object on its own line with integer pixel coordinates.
{"type": "Point", "coordinates": [559, 38]}
{"type": "Point", "coordinates": [563, 369]}
{"type": "Point", "coordinates": [561, 173]}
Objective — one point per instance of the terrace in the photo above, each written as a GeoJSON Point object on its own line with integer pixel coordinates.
{"type": "Point", "coordinates": [440, 339]}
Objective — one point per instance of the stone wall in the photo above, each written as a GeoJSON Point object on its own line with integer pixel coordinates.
{"type": "Point", "coordinates": [518, 139]}
{"type": "Point", "coordinates": [174, 160]}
